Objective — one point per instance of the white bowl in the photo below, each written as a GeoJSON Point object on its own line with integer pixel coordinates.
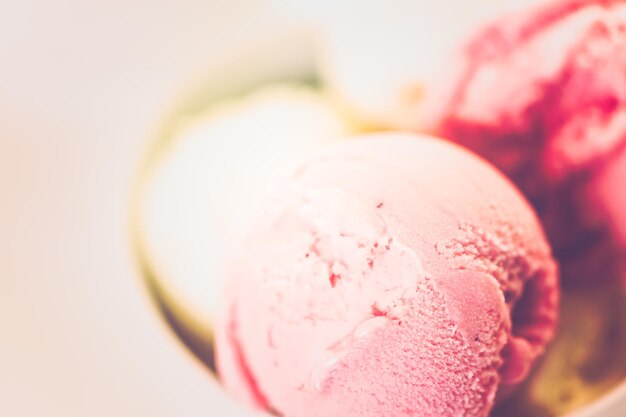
{"type": "Point", "coordinates": [255, 68]}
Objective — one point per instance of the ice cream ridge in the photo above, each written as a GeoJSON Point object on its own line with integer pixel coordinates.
{"type": "Point", "coordinates": [541, 93]}
{"type": "Point", "coordinates": [390, 275]}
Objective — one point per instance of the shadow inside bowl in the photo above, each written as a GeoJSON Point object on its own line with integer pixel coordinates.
{"type": "Point", "coordinates": [586, 361]}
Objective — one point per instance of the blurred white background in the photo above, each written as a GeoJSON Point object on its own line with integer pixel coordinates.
{"type": "Point", "coordinates": [83, 86]}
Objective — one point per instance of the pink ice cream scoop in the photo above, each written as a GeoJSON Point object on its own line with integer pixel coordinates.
{"type": "Point", "coordinates": [542, 95]}
{"type": "Point", "coordinates": [393, 275]}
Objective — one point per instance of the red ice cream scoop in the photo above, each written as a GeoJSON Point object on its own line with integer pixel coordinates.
{"type": "Point", "coordinates": [542, 95]}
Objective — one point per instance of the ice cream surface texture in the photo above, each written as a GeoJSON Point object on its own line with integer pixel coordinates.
{"type": "Point", "coordinates": [542, 94]}
{"type": "Point", "coordinates": [392, 275]}
{"type": "Point", "coordinates": [211, 176]}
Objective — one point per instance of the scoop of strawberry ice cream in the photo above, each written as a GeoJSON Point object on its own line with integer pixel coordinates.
{"type": "Point", "coordinates": [394, 275]}
{"type": "Point", "coordinates": [542, 94]}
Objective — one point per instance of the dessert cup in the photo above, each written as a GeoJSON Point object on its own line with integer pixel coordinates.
{"type": "Point", "coordinates": [584, 371]}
